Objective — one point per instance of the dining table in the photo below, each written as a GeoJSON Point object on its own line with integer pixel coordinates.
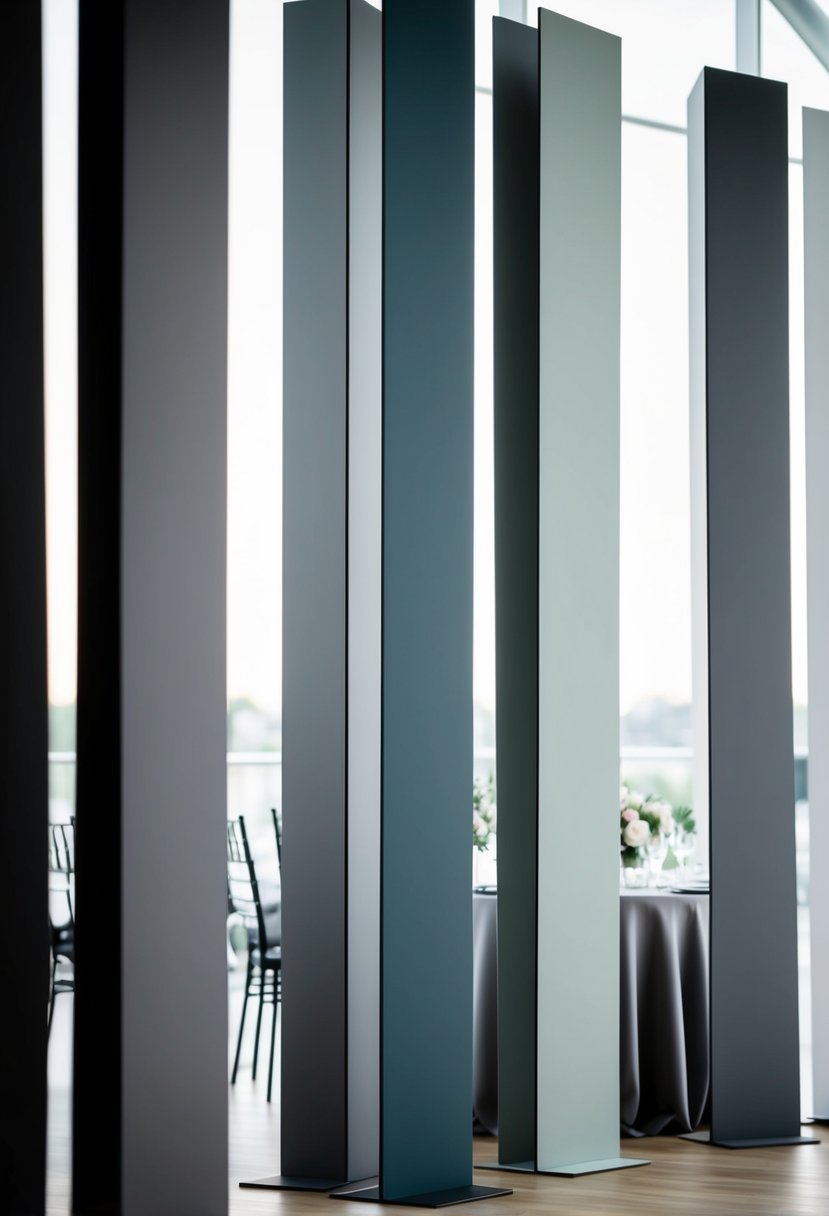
{"type": "Point", "coordinates": [663, 1011]}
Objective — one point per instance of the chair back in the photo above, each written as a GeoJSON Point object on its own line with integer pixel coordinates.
{"type": "Point", "coordinates": [61, 877]}
{"type": "Point", "coordinates": [277, 831]}
{"type": "Point", "coordinates": [242, 884]}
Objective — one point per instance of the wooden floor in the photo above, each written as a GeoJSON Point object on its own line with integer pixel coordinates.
{"type": "Point", "coordinates": [684, 1179]}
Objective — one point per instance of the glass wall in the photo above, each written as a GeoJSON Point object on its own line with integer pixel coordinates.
{"type": "Point", "coordinates": [664, 46]}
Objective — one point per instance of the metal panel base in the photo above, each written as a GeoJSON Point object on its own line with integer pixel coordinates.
{"type": "Point", "coordinates": [432, 1199]}
{"type": "Point", "coordinates": [705, 1138]}
{"type": "Point", "coordinates": [284, 1182]}
{"type": "Point", "coordinates": [571, 1171]}
{"type": "Point", "coordinates": [516, 1167]}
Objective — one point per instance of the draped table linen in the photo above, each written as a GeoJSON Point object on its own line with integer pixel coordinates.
{"type": "Point", "coordinates": [663, 1014]}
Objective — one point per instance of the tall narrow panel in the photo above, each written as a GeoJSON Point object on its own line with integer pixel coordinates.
{"type": "Point", "coordinates": [24, 959]}
{"type": "Point", "coordinates": [426, 923]}
{"type": "Point", "coordinates": [578, 564]}
{"type": "Point", "coordinates": [331, 668]}
{"type": "Point", "coordinates": [364, 585]}
{"type": "Point", "coordinates": [557, 266]}
{"type": "Point", "coordinates": [315, 417]}
{"type": "Point", "coordinates": [740, 509]}
{"type": "Point", "coordinates": [153, 301]}
{"type": "Point", "coordinates": [516, 237]}
{"type": "Point", "coordinates": [816, 260]}
{"type": "Point", "coordinates": [96, 1090]}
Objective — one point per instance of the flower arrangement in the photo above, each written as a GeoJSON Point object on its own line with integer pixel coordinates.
{"type": "Point", "coordinates": [484, 812]}
{"type": "Point", "coordinates": [644, 819]}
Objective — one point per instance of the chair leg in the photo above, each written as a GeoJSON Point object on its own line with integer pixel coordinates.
{"type": "Point", "coordinates": [241, 1027]}
{"type": "Point", "coordinates": [51, 1000]}
{"type": "Point", "coordinates": [258, 1020]}
{"type": "Point", "coordinates": [273, 1035]}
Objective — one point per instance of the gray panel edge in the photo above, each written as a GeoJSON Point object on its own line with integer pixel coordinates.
{"type": "Point", "coordinates": [816, 262]}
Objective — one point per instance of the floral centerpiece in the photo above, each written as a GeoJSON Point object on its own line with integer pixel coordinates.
{"type": "Point", "coordinates": [484, 812]}
{"type": "Point", "coordinates": [649, 820]}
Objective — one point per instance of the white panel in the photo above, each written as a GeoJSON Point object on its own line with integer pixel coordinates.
{"type": "Point", "coordinates": [816, 259]}
{"type": "Point", "coordinates": [699, 464]}
{"type": "Point", "coordinates": [578, 856]}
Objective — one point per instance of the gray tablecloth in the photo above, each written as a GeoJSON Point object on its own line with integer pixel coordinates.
{"type": "Point", "coordinates": [663, 1012]}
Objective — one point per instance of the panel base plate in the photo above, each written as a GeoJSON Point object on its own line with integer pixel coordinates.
{"type": "Point", "coordinates": [705, 1138]}
{"type": "Point", "coordinates": [432, 1199]}
{"type": "Point", "coordinates": [283, 1182]}
{"type": "Point", "coordinates": [570, 1171]}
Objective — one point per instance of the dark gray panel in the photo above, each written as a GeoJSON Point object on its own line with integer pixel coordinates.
{"type": "Point", "coordinates": [169, 156]}
{"type": "Point", "coordinates": [738, 142]}
{"type": "Point", "coordinates": [426, 1065]}
{"type": "Point", "coordinates": [24, 959]}
{"type": "Point", "coordinates": [173, 627]}
{"type": "Point", "coordinates": [516, 249]}
{"type": "Point", "coordinates": [314, 930]}
{"type": "Point", "coordinates": [331, 681]}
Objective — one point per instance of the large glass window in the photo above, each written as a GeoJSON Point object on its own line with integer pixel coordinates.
{"type": "Point", "coordinates": [664, 47]}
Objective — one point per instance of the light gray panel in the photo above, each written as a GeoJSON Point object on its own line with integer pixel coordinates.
{"type": "Point", "coordinates": [314, 688]}
{"type": "Point", "coordinates": [516, 235]}
{"type": "Point", "coordinates": [816, 261]}
{"type": "Point", "coordinates": [578, 859]}
{"type": "Point", "coordinates": [364, 586]}
{"type": "Point", "coordinates": [740, 303]}
{"type": "Point", "coordinates": [173, 963]}
{"type": "Point", "coordinates": [698, 460]}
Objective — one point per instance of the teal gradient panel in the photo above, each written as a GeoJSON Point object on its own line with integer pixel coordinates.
{"type": "Point", "coordinates": [738, 194]}
{"type": "Point", "coordinates": [516, 251]}
{"type": "Point", "coordinates": [578, 563]}
{"type": "Point", "coordinates": [426, 918]}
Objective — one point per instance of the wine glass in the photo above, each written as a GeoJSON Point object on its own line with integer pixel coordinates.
{"type": "Point", "coordinates": [683, 846]}
{"type": "Point", "coordinates": [656, 850]}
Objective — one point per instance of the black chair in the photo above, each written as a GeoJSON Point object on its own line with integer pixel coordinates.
{"type": "Point", "coordinates": [263, 978]}
{"type": "Point", "coordinates": [277, 831]}
{"type": "Point", "coordinates": [61, 912]}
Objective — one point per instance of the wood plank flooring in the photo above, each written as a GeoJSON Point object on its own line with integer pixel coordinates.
{"type": "Point", "coordinates": [684, 1179]}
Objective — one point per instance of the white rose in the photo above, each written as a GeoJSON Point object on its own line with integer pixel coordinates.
{"type": "Point", "coordinates": [636, 833]}
{"type": "Point", "coordinates": [478, 826]}
{"type": "Point", "coordinates": [634, 800]}
{"type": "Point", "coordinates": [664, 813]}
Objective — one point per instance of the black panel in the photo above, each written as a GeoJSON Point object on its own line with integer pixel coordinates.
{"type": "Point", "coordinates": [24, 958]}
{"type": "Point", "coordinates": [96, 1143]}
